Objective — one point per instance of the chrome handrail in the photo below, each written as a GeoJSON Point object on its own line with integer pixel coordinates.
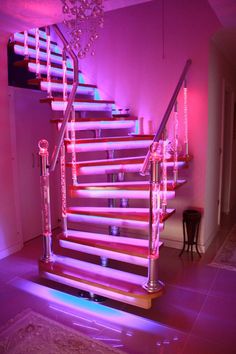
{"type": "Point", "coordinates": [166, 116]}
{"type": "Point", "coordinates": [70, 98]}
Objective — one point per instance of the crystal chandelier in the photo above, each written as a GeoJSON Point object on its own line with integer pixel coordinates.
{"type": "Point", "coordinates": [83, 19]}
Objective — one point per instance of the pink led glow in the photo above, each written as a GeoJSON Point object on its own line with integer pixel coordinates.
{"type": "Point", "coordinates": [105, 253]}
{"type": "Point", "coordinates": [103, 146]}
{"type": "Point", "coordinates": [19, 37]}
{"type": "Point", "coordinates": [186, 118]}
{"type": "Point", "coordinates": [98, 269]}
{"type": "Point", "coordinates": [108, 238]}
{"type": "Point", "coordinates": [54, 71]}
{"type": "Point", "coordinates": [84, 106]}
{"type": "Point", "coordinates": [164, 194]}
{"type": "Point", "coordinates": [111, 193]}
{"type": "Point", "coordinates": [32, 53]}
{"type": "Point", "coordinates": [59, 87]}
{"type": "Point", "coordinates": [73, 306]}
{"type": "Point", "coordinates": [127, 168]}
{"type": "Point", "coordinates": [94, 289]}
{"type": "Point", "coordinates": [119, 124]}
{"type": "Point", "coordinates": [110, 220]}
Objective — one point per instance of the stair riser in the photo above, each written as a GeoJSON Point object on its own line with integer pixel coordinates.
{"type": "Point", "coordinates": [55, 59]}
{"type": "Point", "coordinates": [19, 37]}
{"type": "Point", "coordinates": [83, 106]}
{"type": "Point", "coordinates": [105, 253]}
{"type": "Point", "coordinates": [54, 71]}
{"type": "Point", "coordinates": [99, 291]}
{"type": "Point", "coordinates": [101, 125]}
{"type": "Point", "coordinates": [57, 87]}
{"type": "Point", "coordinates": [104, 237]}
{"type": "Point", "coordinates": [140, 225]}
{"type": "Point", "coordinates": [100, 170]}
{"type": "Point", "coordinates": [106, 146]}
{"type": "Point", "coordinates": [116, 194]}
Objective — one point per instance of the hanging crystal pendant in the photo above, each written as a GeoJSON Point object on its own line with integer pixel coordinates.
{"type": "Point", "coordinates": [83, 19]}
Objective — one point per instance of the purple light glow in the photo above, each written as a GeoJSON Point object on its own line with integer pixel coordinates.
{"type": "Point", "coordinates": [19, 37]}
{"type": "Point", "coordinates": [65, 303]}
{"type": "Point", "coordinates": [59, 87]}
{"type": "Point", "coordinates": [84, 106]}
{"type": "Point", "coordinates": [112, 193]}
{"type": "Point", "coordinates": [120, 124]}
{"type": "Point", "coordinates": [54, 71]}
{"type": "Point", "coordinates": [41, 55]}
{"type": "Point", "coordinates": [103, 146]}
{"type": "Point", "coordinates": [108, 238]}
{"type": "Point", "coordinates": [105, 253]}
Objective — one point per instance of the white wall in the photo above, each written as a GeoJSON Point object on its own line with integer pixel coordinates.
{"type": "Point", "coordinates": [222, 74]}
{"type": "Point", "coordinates": [10, 232]}
{"type": "Point", "coordinates": [138, 60]}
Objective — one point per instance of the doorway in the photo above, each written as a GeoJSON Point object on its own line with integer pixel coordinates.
{"type": "Point", "coordinates": [225, 152]}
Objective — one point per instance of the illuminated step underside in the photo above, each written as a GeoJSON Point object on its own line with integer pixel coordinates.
{"type": "Point", "coordinates": [58, 87]}
{"type": "Point", "coordinates": [19, 37]}
{"type": "Point", "coordinates": [54, 71]}
{"type": "Point", "coordinates": [125, 249]}
{"type": "Point", "coordinates": [115, 284]}
{"type": "Point", "coordinates": [103, 190]}
{"type": "Point", "coordinates": [137, 218]}
{"type": "Point", "coordinates": [57, 59]}
{"type": "Point", "coordinates": [126, 165]}
{"type": "Point", "coordinates": [113, 144]}
{"type": "Point", "coordinates": [84, 106]}
{"type": "Point", "coordinates": [93, 125]}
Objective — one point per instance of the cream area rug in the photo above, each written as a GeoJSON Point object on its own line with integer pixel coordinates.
{"type": "Point", "coordinates": [226, 256]}
{"type": "Point", "coordinates": [31, 333]}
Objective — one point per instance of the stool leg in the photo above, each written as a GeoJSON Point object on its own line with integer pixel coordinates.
{"type": "Point", "coordinates": [198, 251]}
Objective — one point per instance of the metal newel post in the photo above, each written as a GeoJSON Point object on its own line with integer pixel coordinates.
{"type": "Point", "coordinates": [45, 201]}
{"type": "Point", "coordinates": [153, 284]}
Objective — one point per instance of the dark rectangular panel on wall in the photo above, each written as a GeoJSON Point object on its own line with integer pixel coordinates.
{"type": "Point", "coordinates": [18, 76]}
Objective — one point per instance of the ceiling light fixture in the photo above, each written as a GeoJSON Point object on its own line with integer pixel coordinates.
{"type": "Point", "coordinates": [83, 19]}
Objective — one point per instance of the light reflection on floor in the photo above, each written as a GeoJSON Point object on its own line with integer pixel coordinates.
{"type": "Point", "coordinates": [111, 326]}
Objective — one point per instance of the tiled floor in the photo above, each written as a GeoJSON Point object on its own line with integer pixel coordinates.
{"type": "Point", "coordinates": [197, 314]}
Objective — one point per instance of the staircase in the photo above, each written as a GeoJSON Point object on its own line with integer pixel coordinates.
{"type": "Point", "coordinates": [107, 215]}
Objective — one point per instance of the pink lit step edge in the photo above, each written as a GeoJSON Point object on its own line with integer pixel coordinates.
{"type": "Point", "coordinates": [82, 106]}
{"type": "Point", "coordinates": [19, 37]}
{"type": "Point", "coordinates": [111, 193]}
{"type": "Point", "coordinates": [104, 253]}
{"type": "Point", "coordinates": [100, 170]}
{"type": "Point", "coordinates": [97, 269]}
{"type": "Point", "coordinates": [113, 124]}
{"type": "Point", "coordinates": [107, 238]}
{"type": "Point", "coordinates": [54, 71]}
{"type": "Point", "coordinates": [111, 145]}
{"type": "Point", "coordinates": [95, 290]}
{"type": "Point", "coordinates": [58, 87]}
{"type": "Point", "coordinates": [56, 59]}
{"type": "Point", "coordinates": [105, 220]}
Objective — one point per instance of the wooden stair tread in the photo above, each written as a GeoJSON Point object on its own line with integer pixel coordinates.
{"type": "Point", "coordinates": [133, 250]}
{"type": "Point", "coordinates": [80, 100]}
{"type": "Point", "coordinates": [37, 81]}
{"type": "Point", "coordinates": [111, 243]}
{"type": "Point", "coordinates": [98, 276]}
{"type": "Point", "coordinates": [135, 214]}
{"type": "Point", "coordinates": [140, 185]}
